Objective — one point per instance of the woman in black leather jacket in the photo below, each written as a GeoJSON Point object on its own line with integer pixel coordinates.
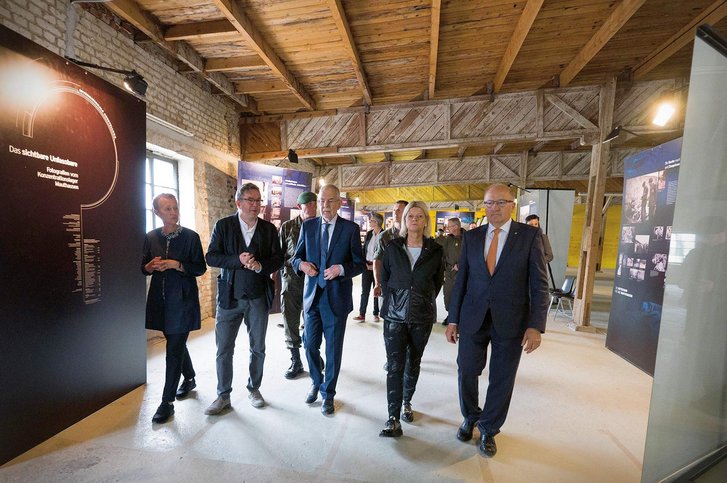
{"type": "Point", "coordinates": [412, 275]}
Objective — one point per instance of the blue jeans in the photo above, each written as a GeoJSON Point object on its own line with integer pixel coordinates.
{"type": "Point", "coordinates": [254, 312]}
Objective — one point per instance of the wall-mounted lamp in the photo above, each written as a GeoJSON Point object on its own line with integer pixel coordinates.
{"type": "Point", "coordinates": [616, 133]}
{"type": "Point", "coordinates": [133, 81]}
{"type": "Point", "coordinates": [292, 156]}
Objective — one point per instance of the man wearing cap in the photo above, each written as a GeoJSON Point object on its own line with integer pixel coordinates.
{"type": "Point", "coordinates": [291, 288]}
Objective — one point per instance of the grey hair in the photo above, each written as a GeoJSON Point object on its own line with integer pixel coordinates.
{"type": "Point", "coordinates": [244, 188]}
{"type": "Point", "coordinates": [155, 202]}
{"type": "Point", "coordinates": [415, 204]}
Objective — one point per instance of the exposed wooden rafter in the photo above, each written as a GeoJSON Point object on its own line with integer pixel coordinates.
{"type": "Point", "coordinates": [516, 41]}
{"type": "Point", "coordinates": [256, 87]}
{"type": "Point", "coordinates": [130, 12]}
{"type": "Point", "coordinates": [620, 15]}
{"type": "Point", "coordinates": [233, 63]}
{"type": "Point", "coordinates": [339, 17]}
{"type": "Point", "coordinates": [710, 15]}
{"type": "Point", "coordinates": [234, 13]}
{"type": "Point", "coordinates": [434, 45]}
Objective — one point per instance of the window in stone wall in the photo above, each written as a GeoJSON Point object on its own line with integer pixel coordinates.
{"type": "Point", "coordinates": [162, 176]}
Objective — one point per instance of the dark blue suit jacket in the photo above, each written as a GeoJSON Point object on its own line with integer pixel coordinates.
{"type": "Point", "coordinates": [516, 294]}
{"type": "Point", "coordinates": [344, 249]}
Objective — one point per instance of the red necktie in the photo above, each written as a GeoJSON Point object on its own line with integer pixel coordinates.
{"type": "Point", "coordinates": [492, 252]}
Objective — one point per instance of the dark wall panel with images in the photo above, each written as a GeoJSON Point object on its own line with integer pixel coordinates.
{"type": "Point", "coordinates": [650, 182]}
{"type": "Point", "coordinates": [72, 295]}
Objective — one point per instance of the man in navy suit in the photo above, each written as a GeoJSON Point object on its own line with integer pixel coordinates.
{"type": "Point", "coordinates": [247, 250]}
{"type": "Point", "coordinates": [329, 254]}
{"type": "Point", "coordinates": [500, 299]}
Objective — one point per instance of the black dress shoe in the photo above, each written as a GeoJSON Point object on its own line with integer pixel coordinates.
{"type": "Point", "coordinates": [312, 394]}
{"type": "Point", "coordinates": [487, 445]}
{"type": "Point", "coordinates": [406, 413]}
{"type": "Point", "coordinates": [185, 388]}
{"type": "Point", "coordinates": [464, 433]}
{"type": "Point", "coordinates": [327, 406]}
{"type": "Point", "coordinates": [295, 370]}
{"type": "Point", "coordinates": [392, 429]}
{"type": "Point", "coordinates": [164, 412]}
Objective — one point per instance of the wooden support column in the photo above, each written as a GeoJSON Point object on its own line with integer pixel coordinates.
{"type": "Point", "coordinates": [590, 252]}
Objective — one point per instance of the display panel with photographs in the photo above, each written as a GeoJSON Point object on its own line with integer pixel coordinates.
{"type": "Point", "coordinates": [650, 180]}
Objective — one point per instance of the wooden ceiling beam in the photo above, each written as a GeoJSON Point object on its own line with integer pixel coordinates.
{"type": "Point", "coordinates": [498, 148]}
{"type": "Point", "coordinates": [620, 15]}
{"type": "Point", "coordinates": [434, 45]}
{"type": "Point", "coordinates": [563, 106]}
{"type": "Point", "coordinates": [130, 11]}
{"type": "Point", "coordinates": [234, 13]}
{"type": "Point", "coordinates": [339, 17]}
{"type": "Point", "coordinates": [524, 23]}
{"type": "Point", "coordinates": [710, 15]}
{"type": "Point", "coordinates": [223, 64]}
{"type": "Point", "coordinates": [200, 31]}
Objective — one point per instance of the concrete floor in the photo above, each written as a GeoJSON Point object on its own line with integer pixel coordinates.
{"type": "Point", "coordinates": [578, 414]}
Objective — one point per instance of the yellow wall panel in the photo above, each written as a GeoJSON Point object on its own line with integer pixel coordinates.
{"type": "Point", "coordinates": [610, 240]}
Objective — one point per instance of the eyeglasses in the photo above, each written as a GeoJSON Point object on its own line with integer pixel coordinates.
{"type": "Point", "coordinates": [253, 201]}
{"type": "Point", "coordinates": [500, 203]}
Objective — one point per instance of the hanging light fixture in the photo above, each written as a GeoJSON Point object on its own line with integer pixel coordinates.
{"type": "Point", "coordinates": [133, 81]}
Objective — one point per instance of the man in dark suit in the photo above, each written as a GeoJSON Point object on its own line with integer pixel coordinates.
{"type": "Point", "coordinates": [247, 250]}
{"type": "Point", "coordinates": [329, 254]}
{"type": "Point", "coordinates": [500, 298]}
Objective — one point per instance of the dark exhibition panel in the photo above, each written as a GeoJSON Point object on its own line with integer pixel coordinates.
{"type": "Point", "coordinates": [72, 337]}
{"type": "Point", "coordinates": [650, 188]}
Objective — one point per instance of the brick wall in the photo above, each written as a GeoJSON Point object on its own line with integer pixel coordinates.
{"type": "Point", "coordinates": [184, 100]}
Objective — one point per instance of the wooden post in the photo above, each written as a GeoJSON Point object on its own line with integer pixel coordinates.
{"type": "Point", "coordinates": [594, 211]}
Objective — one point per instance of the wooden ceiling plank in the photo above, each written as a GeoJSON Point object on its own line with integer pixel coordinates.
{"type": "Point", "coordinates": [232, 63]}
{"type": "Point", "coordinates": [130, 11]}
{"type": "Point", "coordinates": [620, 15]}
{"type": "Point", "coordinates": [242, 23]}
{"type": "Point", "coordinates": [339, 17]}
{"type": "Point", "coordinates": [434, 45]}
{"type": "Point", "coordinates": [530, 12]}
{"type": "Point", "coordinates": [256, 87]}
{"type": "Point", "coordinates": [563, 106]}
{"type": "Point", "coordinates": [199, 30]}
{"type": "Point", "coordinates": [710, 15]}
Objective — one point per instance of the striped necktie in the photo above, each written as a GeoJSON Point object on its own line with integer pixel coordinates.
{"type": "Point", "coordinates": [324, 255]}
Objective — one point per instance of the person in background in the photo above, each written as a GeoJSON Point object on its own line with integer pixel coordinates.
{"type": "Point", "coordinates": [452, 245]}
{"type": "Point", "coordinates": [367, 277]}
{"type": "Point", "coordinates": [173, 257]}
{"type": "Point", "coordinates": [500, 300]}
{"type": "Point", "coordinates": [412, 275]}
{"type": "Point", "coordinates": [383, 239]}
{"type": "Point", "coordinates": [291, 288]}
{"type": "Point", "coordinates": [472, 226]}
{"type": "Point", "coordinates": [329, 254]}
{"type": "Point", "coordinates": [534, 220]}
{"type": "Point", "coordinates": [247, 250]}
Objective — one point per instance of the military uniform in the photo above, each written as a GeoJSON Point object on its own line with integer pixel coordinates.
{"type": "Point", "coordinates": [383, 239]}
{"type": "Point", "coordinates": [291, 287]}
{"type": "Point", "coordinates": [452, 248]}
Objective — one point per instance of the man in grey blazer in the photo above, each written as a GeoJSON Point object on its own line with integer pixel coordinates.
{"type": "Point", "coordinates": [500, 299]}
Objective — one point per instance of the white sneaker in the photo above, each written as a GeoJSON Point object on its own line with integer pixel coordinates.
{"type": "Point", "coordinates": [219, 405]}
{"type": "Point", "coordinates": [256, 399]}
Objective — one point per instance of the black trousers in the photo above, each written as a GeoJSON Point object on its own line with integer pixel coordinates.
{"type": "Point", "coordinates": [504, 362]}
{"type": "Point", "coordinates": [367, 282]}
{"type": "Point", "coordinates": [405, 345]}
{"type": "Point", "coordinates": [178, 363]}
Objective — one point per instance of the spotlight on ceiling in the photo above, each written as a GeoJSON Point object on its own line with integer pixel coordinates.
{"type": "Point", "coordinates": [133, 81]}
{"type": "Point", "coordinates": [616, 133]}
{"type": "Point", "coordinates": [292, 156]}
{"type": "Point", "coordinates": [664, 112]}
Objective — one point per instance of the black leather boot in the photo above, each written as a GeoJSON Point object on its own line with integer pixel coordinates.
{"type": "Point", "coordinates": [296, 366]}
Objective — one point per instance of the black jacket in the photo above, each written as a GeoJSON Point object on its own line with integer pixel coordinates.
{"type": "Point", "coordinates": [234, 281]}
{"type": "Point", "coordinates": [410, 295]}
